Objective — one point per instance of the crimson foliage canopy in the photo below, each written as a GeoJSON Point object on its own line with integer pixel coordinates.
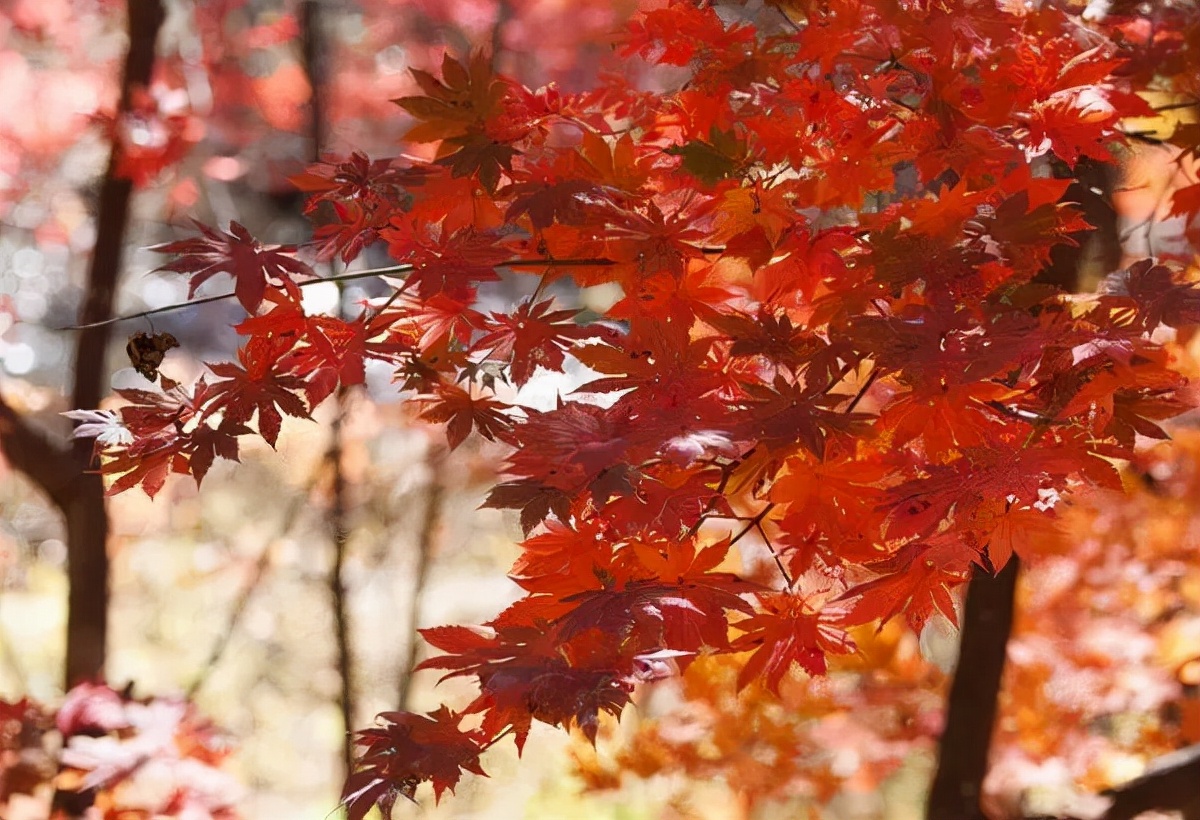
{"type": "Point", "coordinates": [826, 224]}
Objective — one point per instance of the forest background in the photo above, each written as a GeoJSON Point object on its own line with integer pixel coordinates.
{"type": "Point", "coordinates": [247, 598]}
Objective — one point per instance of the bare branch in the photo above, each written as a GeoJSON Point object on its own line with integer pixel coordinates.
{"type": "Point", "coordinates": [238, 610]}
{"type": "Point", "coordinates": [426, 546]}
{"type": "Point", "coordinates": [295, 506]}
{"type": "Point", "coordinates": [341, 277]}
{"type": "Point", "coordinates": [1171, 782]}
{"type": "Point", "coordinates": [205, 300]}
{"type": "Point", "coordinates": [34, 454]}
{"type": "Point", "coordinates": [340, 532]}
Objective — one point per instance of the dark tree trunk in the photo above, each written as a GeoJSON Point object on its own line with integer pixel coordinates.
{"type": "Point", "coordinates": [86, 517]}
{"type": "Point", "coordinates": [987, 620]}
{"type": "Point", "coordinates": [62, 470]}
{"type": "Point", "coordinates": [974, 696]}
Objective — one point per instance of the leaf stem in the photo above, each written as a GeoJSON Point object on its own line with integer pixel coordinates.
{"type": "Point", "coordinates": [508, 730]}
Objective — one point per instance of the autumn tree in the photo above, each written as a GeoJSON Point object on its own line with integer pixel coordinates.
{"type": "Point", "coordinates": [185, 120]}
{"type": "Point", "coordinates": [843, 371]}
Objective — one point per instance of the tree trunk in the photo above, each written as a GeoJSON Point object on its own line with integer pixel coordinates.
{"type": "Point", "coordinates": [87, 519]}
{"type": "Point", "coordinates": [61, 470]}
{"type": "Point", "coordinates": [974, 696]}
{"type": "Point", "coordinates": [987, 619]}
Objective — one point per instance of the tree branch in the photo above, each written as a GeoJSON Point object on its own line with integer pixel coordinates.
{"type": "Point", "coordinates": [340, 532]}
{"type": "Point", "coordinates": [236, 612]}
{"type": "Point", "coordinates": [1171, 782]}
{"type": "Point", "coordinates": [426, 546]}
{"type": "Point", "coordinates": [341, 277]}
{"type": "Point", "coordinates": [314, 56]}
{"type": "Point", "coordinates": [38, 457]}
{"type": "Point", "coordinates": [313, 59]}
{"type": "Point", "coordinates": [219, 297]}
{"type": "Point", "coordinates": [295, 506]}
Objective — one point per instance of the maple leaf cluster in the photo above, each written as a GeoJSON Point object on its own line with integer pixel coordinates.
{"type": "Point", "coordinates": [833, 359]}
{"type": "Point", "coordinates": [1103, 676]}
{"type": "Point", "coordinates": [116, 755]}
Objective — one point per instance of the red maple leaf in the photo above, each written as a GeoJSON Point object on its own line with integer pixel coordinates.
{"type": "Point", "coordinates": [1185, 201]}
{"type": "Point", "coordinates": [169, 434]}
{"type": "Point", "coordinates": [532, 336]}
{"type": "Point", "coordinates": [258, 387]}
{"type": "Point", "coordinates": [464, 412]}
{"type": "Point", "coordinates": [407, 750]}
{"type": "Point", "coordinates": [363, 196]}
{"type": "Point", "coordinates": [789, 630]}
{"type": "Point", "coordinates": [251, 264]}
{"type": "Point", "coordinates": [527, 672]}
{"type": "Point", "coordinates": [919, 580]}
{"type": "Point", "coordinates": [679, 33]}
{"type": "Point", "coordinates": [444, 261]}
{"type": "Point", "coordinates": [821, 240]}
{"type": "Point", "coordinates": [474, 113]}
{"type": "Point", "coordinates": [1159, 298]}
{"type": "Point", "coordinates": [535, 500]}
{"type": "Point", "coordinates": [648, 592]}
{"type": "Point", "coordinates": [441, 319]}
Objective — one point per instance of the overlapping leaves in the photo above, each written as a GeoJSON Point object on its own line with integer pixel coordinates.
{"type": "Point", "coordinates": [827, 351]}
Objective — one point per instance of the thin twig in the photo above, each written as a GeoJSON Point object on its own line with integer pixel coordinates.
{"type": "Point", "coordinates": [340, 532]}
{"type": "Point", "coordinates": [752, 523]}
{"type": "Point", "coordinates": [379, 311]}
{"type": "Point", "coordinates": [835, 382]}
{"type": "Point", "coordinates": [726, 474]}
{"type": "Point", "coordinates": [537, 291]}
{"type": "Point", "coordinates": [508, 730]}
{"type": "Point", "coordinates": [204, 300]}
{"type": "Point", "coordinates": [337, 581]}
{"type": "Point", "coordinates": [713, 500]}
{"type": "Point", "coordinates": [504, 13]}
{"type": "Point", "coordinates": [756, 523]}
{"type": "Point", "coordinates": [1143, 136]}
{"type": "Point", "coordinates": [341, 277]}
{"type": "Point", "coordinates": [1176, 106]}
{"type": "Point", "coordinates": [862, 391]}
{"type": "Point", "coordinates": [237, 611]}
{"type": "Point", "coordinates": [426, 546]}
{"type": "Point", "coordinates": [313, 59]}
{"type": "Point", "coordinates": [295, 505]}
